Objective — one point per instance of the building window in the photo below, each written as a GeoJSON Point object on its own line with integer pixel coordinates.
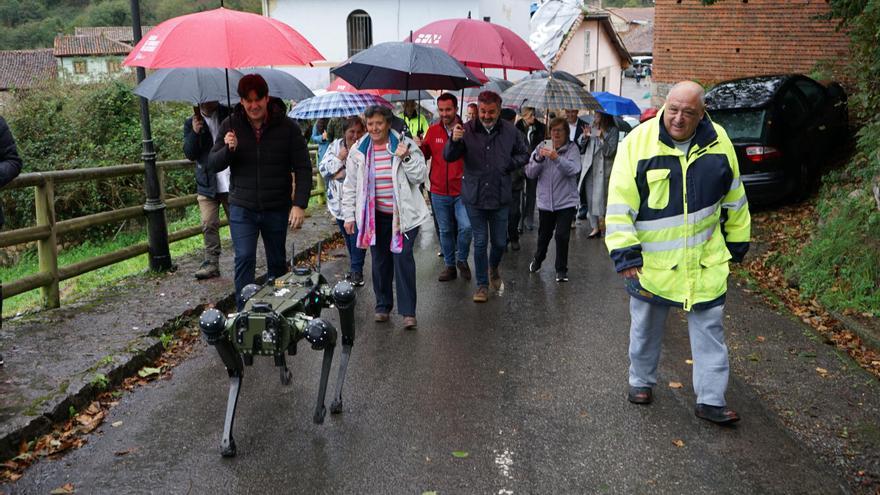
{"type": "Point", "coordinates": [603, 83]}
{"type": "Point", "coordinates": [586, 50]}
{"type": "Point", "coordinates": [79, 67]}
{"type": "Point", "coordinates": [592, 85]}
{"type": "Point", "coordinates": [114, 66]}
{"type": "Point", "coordinates": [360, 32]}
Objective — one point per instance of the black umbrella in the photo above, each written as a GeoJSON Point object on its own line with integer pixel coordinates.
{"type": "Point", "coordinates": [192, 85]}
{"type": "Point", "coordinates": [402, 65]}
{"type": "Point", "coordinates": [281, 84]}
{"type": "Point", "coordinates": [557, 74]}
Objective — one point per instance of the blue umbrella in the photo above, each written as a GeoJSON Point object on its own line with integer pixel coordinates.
{"type": "Point", "coordinates": [616, 105]}
{"type": "Point", "coordinates": [335, 104]}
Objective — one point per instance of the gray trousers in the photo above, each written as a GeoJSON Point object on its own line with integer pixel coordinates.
{"type": "Point", "coordinates": [210, 213]}
{"type": "Point", "coordinates": [711, 366]}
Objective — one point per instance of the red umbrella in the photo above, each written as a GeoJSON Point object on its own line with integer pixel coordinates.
{"type": "Point", "coordinates": [222, 38]}
{"type": "Point", "coordinates": [479, 44]}
{"type": "Point", "coordinates": [341, 85]}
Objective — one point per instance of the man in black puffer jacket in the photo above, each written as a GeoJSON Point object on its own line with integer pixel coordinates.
{"type": "Point", "coordinates": [270, 178]}
{"type": "Point", "coordinates": [10, 167]}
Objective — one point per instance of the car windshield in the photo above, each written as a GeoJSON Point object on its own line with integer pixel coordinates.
{"type": "Point", "coordinates": [741, 125]}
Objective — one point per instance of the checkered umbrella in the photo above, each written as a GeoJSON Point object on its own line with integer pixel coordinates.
{"type": "Point", "coordinates": [549, 94]}
{"type": "Point", "coordinates": [335, 104]}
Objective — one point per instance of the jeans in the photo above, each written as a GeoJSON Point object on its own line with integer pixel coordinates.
{"type": "Point", "coordinates": [355, 254]}
{"type": "Point", "coordinates": [390, 269]}
{"type": "Point", "coordinates": [486, 225]}
{"type": "Point", "coordinates": [246, 225]}
{"type": "Point", "coordinates": [558, 221]}
{"type": "Point", "coordinates": [449, 211]}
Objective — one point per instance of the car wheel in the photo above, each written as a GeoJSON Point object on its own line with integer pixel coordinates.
{"type": "Point", "coordinates": [805, 182]}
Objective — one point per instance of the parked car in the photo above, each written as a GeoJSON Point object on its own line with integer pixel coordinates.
{"type": "Point", "coordinates": [784, 129]}
{"type": "Point", "coordinates": [640, 65]}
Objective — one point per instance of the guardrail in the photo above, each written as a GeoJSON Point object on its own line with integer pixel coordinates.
{"type": "Point", "coordinates": [46, 231]}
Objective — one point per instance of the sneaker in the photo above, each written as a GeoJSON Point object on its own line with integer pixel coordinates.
{"type": "Point", "coordinates": [534, 266]}
{"type": "Point", "coordinates": [409, 323]}
{"type": "Point", "coordinates": [720, 415]}
{"type": "Point", "coordinates": [1, 359]}
{"type": "Point", "coordinates": [447, 274]}
{"type": "Point", "coordinates": [356, 279]}
{"type": "Point", "coordinates": [495, 278]}
{"type": "Point", "coordinates": [514, 245]}
{"type": "Point", "coordinates": [562, 276]}
{"type": "Point", "coordinates": [207, 270]}
{"type": "Point", "coordinates": [381, 317]}
{"type": "Point", "coordinates": [482, 294]}
{"type": "Point", "coordinates": [464, 269]}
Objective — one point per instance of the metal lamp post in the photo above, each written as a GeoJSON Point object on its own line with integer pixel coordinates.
{"type": "Point", "coordinates": [154, 208]}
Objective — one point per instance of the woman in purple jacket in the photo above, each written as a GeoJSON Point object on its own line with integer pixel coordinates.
{"type": "Point", "coordinates": [556, 166]}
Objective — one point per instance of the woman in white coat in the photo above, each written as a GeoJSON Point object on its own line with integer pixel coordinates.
{"type": "Point", "coordinates": [381, 201]}
{"type": "Point", "coordinates": [596, 169]}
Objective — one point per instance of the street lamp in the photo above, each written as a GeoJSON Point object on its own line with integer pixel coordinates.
{"type": "Point", "coordinates": [154, 208]}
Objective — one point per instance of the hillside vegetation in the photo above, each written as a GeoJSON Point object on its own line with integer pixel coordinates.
{"type": "Point", "coordinates": [34, 23]}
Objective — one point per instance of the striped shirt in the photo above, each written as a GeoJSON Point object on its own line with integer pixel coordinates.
{"type": "Point", "coordinates": [384, 184]}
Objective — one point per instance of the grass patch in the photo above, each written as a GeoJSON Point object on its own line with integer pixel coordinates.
{"type": "Point", "coordinates": [88, 283]}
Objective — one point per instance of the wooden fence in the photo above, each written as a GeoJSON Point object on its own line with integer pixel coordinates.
{"type": "Point", "coordinates": [47, 230]}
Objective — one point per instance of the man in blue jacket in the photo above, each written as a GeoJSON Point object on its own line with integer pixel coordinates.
{"type": "Point", "coordinates": [10, 167]}
{"type": "Point", "coordinates": [492, 148]}
{"type": "Point", "coordinates": [199, 133]}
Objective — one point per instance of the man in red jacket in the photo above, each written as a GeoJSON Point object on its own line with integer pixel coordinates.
{"type": "Point", "coordinates": [445, 190]}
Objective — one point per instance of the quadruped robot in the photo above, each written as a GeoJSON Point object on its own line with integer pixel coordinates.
{"type": "Point", "coordinates": [275, 317]}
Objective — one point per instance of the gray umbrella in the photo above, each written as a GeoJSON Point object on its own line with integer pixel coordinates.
{"type": "Point", "coordinates": [557, 74]}
{"type": "Point", "coordinates": [192, 85]}
{"type": "Point", "coordinates": [281, 84]}
{"type": "Point", "coordinates": [495, 84]}
{"type": "Point", "coordinates": [550, 93]}
{"type": "Point", "coordinates": [409, 95]}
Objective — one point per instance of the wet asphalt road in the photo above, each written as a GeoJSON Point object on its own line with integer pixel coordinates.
{"type": "Point", "coordinates": [531, 385]}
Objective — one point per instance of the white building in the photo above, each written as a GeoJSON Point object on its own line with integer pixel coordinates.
{"type": "Point", "coordinates": [340, 28]}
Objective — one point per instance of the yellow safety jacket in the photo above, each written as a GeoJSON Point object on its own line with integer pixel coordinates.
{"type": "Point", "coordinates": [681, 217]}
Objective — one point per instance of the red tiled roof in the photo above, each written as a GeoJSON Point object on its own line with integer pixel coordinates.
{"type": "Point", "coordinates": [67, 46]}
{"type": "Point", "coordinates": [26, 68]}
{"type": "Point", "coordinates": [731, 39]}
{"type": "Point", "coordinates": [639, 40]}
{"type": "Point", "coordinates": [115, 33]}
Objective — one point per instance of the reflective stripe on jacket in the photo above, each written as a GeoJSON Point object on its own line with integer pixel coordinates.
{"type": "Point", "coordinates": [681, 218]}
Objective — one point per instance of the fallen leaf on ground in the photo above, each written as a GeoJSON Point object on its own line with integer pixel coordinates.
{"type": "Point", "coordinates": [63, 489]}
{"type": "Point", "coordinates": [460, 454]}
{"type": "Point", "coordinates": [116, 424]}
{"type": "Point", "coordinates": [678, 443]}
{"type": "Point", "coordinates": [689, 361]}
{"type": "Point", "coordinates": [822, 371]}
{"type": "Point", "coordinates": [759, 338]}
{"type": "Point", "coordinates": [147, 371]}
{"type": "Point", "coordinates": [121, 453]}
{"type": "Point", "coordinates": [675, 385]}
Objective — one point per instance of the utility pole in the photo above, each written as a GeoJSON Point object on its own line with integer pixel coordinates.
{"type": "Point", "coordinates": [154, 208]}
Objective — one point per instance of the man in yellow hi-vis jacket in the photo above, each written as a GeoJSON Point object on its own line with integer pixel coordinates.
{"type": "Point", "coordinates": [677, 214]}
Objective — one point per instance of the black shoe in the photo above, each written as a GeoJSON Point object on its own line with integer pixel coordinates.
{"type": "Point", "coordinates": [640, 395]}
{"type": "Point", "coordinates": [720, 415]}
{"type": "Point", "coordinates": [356, 279]}
{"type": "Point", "coordinates": [562, 276]}
{"type": "Point", "coordinates": [534, 266]}
{"type": "Point", "coordinates": [207, 270]}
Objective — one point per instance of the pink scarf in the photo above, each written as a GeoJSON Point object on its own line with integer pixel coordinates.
{"type": "Point", "coordinates": [367, 233]}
